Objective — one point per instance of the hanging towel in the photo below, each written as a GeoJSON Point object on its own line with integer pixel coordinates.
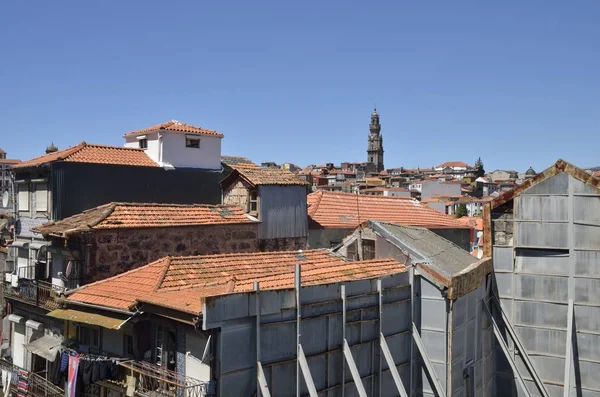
{"type": "Point", "coordinates": [72, 380]}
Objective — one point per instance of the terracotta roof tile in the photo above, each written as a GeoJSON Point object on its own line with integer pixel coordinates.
{"type": "Point", "coordinates": [347, 210]}
{"type": "Point", "coordinates": [142, 215]}
{"type": "Point", "coordinates": [180, 282]}
{"type": "Point", "coordinates": [9, 161]}
{"type": "Point", "coordinates": [97, 154]}
{"type": "Point", "coordinates": [473, 222]}
{"type": "Point", "coordinates": [176, 126]}
{"type": "Point", "coordinates": [263, 176]}
{"type": "Point", "coordinates": [235, 160]}
{"type": "Point", "coordinates": [454, 164]}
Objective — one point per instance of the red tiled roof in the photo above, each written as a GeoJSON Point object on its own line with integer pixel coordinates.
{"type": "Point", "coordinates": [263, 176]}
{"type": "Point", "coordinates": [454, 164]}
{"type": "Point", "coordinates": [176, 126]}
{"type": "Point", "coordinates": [473, 222]}
{"type": "Point", "coordinates": [9, 161]}
{"type": "Point", "coordinates": [97, 154]}
{"type": "Point", "coordinates": [237, 160]}
{"type": "Point", "coordinates": [596, 174]}
{"type": "Point", "coordinates": [180, 282]}
{"type": "Point", "coordinates": [142, 215]}
{"type": "Point", "coordinates": [347, 210]}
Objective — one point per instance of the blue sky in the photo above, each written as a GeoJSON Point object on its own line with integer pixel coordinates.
{"type": "Point", "coordinates": [515, 82]}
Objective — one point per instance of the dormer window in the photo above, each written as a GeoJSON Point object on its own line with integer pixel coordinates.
{"type": "Point", "coordinates": [143, 143]}
{"type": "Point", "coordinates": [192, 141]}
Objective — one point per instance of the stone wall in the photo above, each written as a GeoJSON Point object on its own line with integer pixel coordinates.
{"type": "Point", "coordinates": [237, 194]}
{"type": "Point", "coordinates": [282, 244]}
{"type": "Point", "coordinates": [117, 251]}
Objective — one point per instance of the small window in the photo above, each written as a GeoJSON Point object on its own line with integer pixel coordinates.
{"type": "Point", "coordinates": [253, 205]}
{"type": "Point", "coordinates": [89, 337]}
{"type": "Point", "coordinates": [41, 197]}
{"type": "Point", "coordinates": [23, 197]}
{"type": "Point", "coordinates": [128, 344]}
{"type": "Point", "coordinates": [192, 142]}
{"type": "Point", "coordinates": [143, 143]}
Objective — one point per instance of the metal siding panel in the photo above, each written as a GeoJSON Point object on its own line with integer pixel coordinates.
{"type": "Point", "coordinates": [548, 235]}
{"type": "Point", "coordinates": [549, 262]}
{"type": "Point", "coordinates": [587, 237]}
{"type": "Point", "coordinates": [428, 290]}
{"type": "Point", "coordinates": [459, 311]}
{"type": "Point", "coordinates": [587, 318]}
{"type": "Point", "coordinates": [586, 291]}
{"type": "Point", "coordinates": [278, 342]}
{"type": "Point", "coordinates": [557, 184]}
{"type": "Point", "coordinates": [542, 341]}
{"type": "Point", "coordinates": [433, 314]}
{"type": "Point", "coordinates": [435, 343]}
{"type": "Point", "coordinates": [582, 188]}
{"type": "Point", "coordinates": [541, 208]}
{"type": "Point", "coordinates": [282, 212]}
{"type": "Point", "coordinates": [83, 186]}
{"type": "Point", "coordinates": [504, 284]}
{"type": "Point", "coordinates": [396, 318]}
{"type": "Point", "coordinates": [586, 209]}
{"type": "Point", "coordinates": [587, 263]}
{"type": "Point", "coordinates": [237, 347]}
{"type": "Point", "coordinates": [540, 314]}
{"type": "Point", "coordinates": [503, 259]}
{"type": "Point", "coordinates": [536, 287]}
{"type": "Point", "coordinates": [588, 346]}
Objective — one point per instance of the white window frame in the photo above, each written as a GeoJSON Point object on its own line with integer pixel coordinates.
{"type": "Point", "coordinates": [38, 194]}
{"type": "Point", "coordinates": [192, 138]}
{"type": "Point", "coordinates": [23, 203]}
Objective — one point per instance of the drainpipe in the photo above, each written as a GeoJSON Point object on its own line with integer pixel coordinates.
{"type": "Point", "coordinates": [160, 149]}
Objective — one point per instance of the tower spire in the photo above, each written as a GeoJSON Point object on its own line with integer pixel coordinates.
{"type": "Point", "coordinates": [375, 142]}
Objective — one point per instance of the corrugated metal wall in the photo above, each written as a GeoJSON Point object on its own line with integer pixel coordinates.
{"type": "Point", "coordinates": [321, 329]}
{"type": "Point", "coordinates": [80, 186]}
{"type": "Point", "coordinates": [282, 212]}
{"type": "Point", "coordinates": [546, 252]}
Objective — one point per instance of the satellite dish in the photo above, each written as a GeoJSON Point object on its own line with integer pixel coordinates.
{"type": "Point", "coordinates": [5, 199]}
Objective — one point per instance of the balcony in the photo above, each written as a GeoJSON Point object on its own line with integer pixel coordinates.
{"type": "Point", "coordinates": [34, 292]}
{"type": "Point", "coordinates": [37, 386]}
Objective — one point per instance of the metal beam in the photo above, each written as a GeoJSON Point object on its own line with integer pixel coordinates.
{"type": "Point", "coordinates": [343, 293]}
{"type": "Point", "coordinates": [392, 366]}
{"type": "Point", "coordinates": [380, 307]}
{"type": "Point", "coordinates": [298, 285]}
{"type": "Point", "coordinates": [262, 382]}
{"type": "Point", "coordinates": [434, 379]}
{"type": "Point", "coordinates": [569, 353]}
{"type": "Point", "coordinates": [354, 371]}
{"type": "Point", "coordinates": [260, 376]}
{"type": "Point", "coordinates": [506, 351]}
{"type": "Point", "coordinates": [526, 360]}
{"type": "Point", "coordinates": [312, 391]}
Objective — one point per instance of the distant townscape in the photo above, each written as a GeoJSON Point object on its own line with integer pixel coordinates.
{"type": "Point", "coordinates": [164, 268]}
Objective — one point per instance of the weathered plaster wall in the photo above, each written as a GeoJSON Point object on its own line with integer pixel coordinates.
{"type": "Point", "coordinates": [116, 251]}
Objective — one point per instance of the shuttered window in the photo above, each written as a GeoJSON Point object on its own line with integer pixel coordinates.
{"type": "Point", "coordinates": [23, 197]}
{"type": "Point", "coordinates": [41, 197]}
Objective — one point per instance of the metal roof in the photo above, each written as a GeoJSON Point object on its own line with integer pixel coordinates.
{"type": "Point", "coordinates": [438, 255]}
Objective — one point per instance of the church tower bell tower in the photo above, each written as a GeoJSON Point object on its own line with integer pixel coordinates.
{"type": "Point", "coordinates": [375, 143]}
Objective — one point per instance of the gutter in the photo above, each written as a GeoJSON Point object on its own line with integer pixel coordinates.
{"type": "Point", "coordinates": [108, 309]}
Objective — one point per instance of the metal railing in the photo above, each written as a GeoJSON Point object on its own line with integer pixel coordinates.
{"type": "Point", "coordinates": [37, 386]}
{"type": "Point", "coordinates": [35, 292]}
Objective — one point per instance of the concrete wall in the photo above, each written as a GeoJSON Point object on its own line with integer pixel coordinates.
{"type": "Point", "coordinates": [174, 151]}
{"type": "Point", "coordinates": [438, 206]}
{"type": "Point", "coordinates": [116, 251]}
{"type": "Point", "coordinates": [546, 250]}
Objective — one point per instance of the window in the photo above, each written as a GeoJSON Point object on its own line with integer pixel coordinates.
{"type": "Point", "coordinates": [192, 142]}
{"type": "Point", "coordinates": [143, 143]}
{"type": "Point", "coordinates": [41, 197]}
{"type": "Point", "coordinates": [253, 204]}
{"type": "Point", "coordinates": [128, 344]}
{"type": "Point", "coordinates": [89, 337]}
{"type": "Point", "coordinates": [23, 197]}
